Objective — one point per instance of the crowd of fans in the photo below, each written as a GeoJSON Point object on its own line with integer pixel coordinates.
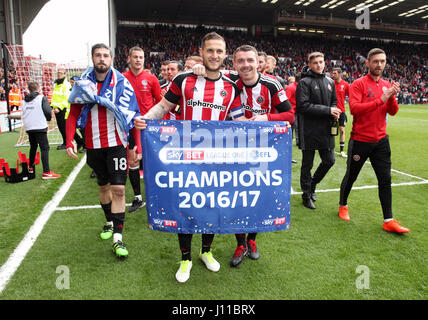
{"type": "Point", "coordinates": [11, 75]}
{"type": "Point", "coordinates": [407, 63]}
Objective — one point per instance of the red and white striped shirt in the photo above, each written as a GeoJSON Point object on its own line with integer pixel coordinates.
{"type": "Point", "coordinates": [174, 114]}
{"type": "Point", "coordinates": [264, 97]}
{"type": "Point", "coordinates": [202, 98]}
{"type": "Point", "coordinates": [101, 130]}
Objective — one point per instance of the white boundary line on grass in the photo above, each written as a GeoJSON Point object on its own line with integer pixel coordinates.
{"type": "Point", "coordinates": [397, 171]}
{"type": "Point", "coordinates": [9, 268]}
{"type": "Point", "coordinates": [368, 187]}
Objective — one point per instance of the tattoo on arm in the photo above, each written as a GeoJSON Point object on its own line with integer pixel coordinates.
{"type": "Point", "coordinates": [156, 112]}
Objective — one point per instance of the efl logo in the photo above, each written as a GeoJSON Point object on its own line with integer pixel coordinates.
{"type": "Point", "coordinates": [168, 129]}
{"type": "Point", "coordinates": [279, 221]}
{"type": "Point", "coordinates": [281, 129]}
{"type": "Point", "coordinates": [170, 223]}
{"type": "Point", "coordinates": [193, 155]}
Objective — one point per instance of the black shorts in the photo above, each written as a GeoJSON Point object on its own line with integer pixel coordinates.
{"type": "Point", "coordinates": [343, 119]}
{"type": "Point", "coordinates": [109, 164]}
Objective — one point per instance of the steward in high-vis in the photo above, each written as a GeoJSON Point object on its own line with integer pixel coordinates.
{"type": "Point", "coordinates": [59, 102]}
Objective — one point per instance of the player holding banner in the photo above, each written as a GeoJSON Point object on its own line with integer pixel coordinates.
{"type": "Point", "coordinates": [263, 99]}
{"type": "Point", "coordinates": [201, 98]}
{"type": "Point", "coordinates": [104, 103]}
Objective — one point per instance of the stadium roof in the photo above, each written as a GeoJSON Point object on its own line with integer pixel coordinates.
{"type": "Point", "coordinates": [401, 15]}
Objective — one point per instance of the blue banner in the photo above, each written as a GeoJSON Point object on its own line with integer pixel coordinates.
{"type": "Point", "coordinates": [217, 176]}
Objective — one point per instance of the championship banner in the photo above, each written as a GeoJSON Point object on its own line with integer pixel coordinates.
{"type": "Point", "coordinates": [217, 176]}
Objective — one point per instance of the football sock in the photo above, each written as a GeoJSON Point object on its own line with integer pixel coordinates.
{"type": "Point", "coordinates": [240, 239]}
{"type": "Point", "coordinates": [107, 211]}
{"type": "Point", "coordinates": [342, 146]}
{"type": "Point", "coordinates": [134, 179]}
{"type": "Point", "coordinates": [185, 242]}
{"type": "Point", "coordinates": [207, 239]}
{"type": "Point", "coordinates": [118, 221]}
{"type": "Point", "coordinates": [251, 236]}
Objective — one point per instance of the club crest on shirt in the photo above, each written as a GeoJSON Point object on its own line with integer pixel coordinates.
{"type": "Point", "coordinates": [144, 82]}
{"type": "Point", "coordinates": [370, 93]}
{"type": "Point", "coordinates": [223, 93]}
{"type": "Point", "coordinates": [260, 99]}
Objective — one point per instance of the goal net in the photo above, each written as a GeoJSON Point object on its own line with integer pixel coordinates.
{"type": "Point", "coordinates": [27, 68]}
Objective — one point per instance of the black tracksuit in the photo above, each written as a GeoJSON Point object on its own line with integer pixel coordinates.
{"type": "Point", "coordinates": [315, 96]}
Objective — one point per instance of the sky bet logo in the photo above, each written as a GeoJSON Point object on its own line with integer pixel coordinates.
{"type": "Point", "coordinates": [281, 130]}
{"type": "Point", "coordinates": [185, 155]}
{"type": "Point", "coordinates": [276, 130]}
{"type": "Point", "coordinates": [168, 129]}
{"type": "Point", "coordinates": [276, 221]}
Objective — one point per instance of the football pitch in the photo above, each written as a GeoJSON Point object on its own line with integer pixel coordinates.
{"type": "Point", "coordinates": [50, 247]}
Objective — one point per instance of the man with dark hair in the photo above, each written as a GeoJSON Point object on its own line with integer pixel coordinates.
{"type": "Point", "coordinates": [264, 99]}
{"type": "Point", "coordinates": [342, 90]}
{"type": "Point", "coordinates": [185, 87]}
{"type": "Point", "coordinates": [262, 57]}
{"type": "Point", "coordinates": [174, 67]}
{"type": "Point", "coordinates": [316, 109]}
{"type": "Point", "coordinates": [106, 130]}
{"type": "Point", "coordinates": [164, 72]}
{"type": "Point", "coordinates": [371, 98]}
{"type": "Point", "coordinates": [35, 112]}
{"type": "Point", "coordinates": [148, 92]}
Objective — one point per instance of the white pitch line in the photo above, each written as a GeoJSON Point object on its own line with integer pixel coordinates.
{"type": "Point", "coordinates": [400, 172]}
{"type": "Point", "coordinates": [9, 268]}
{"type": "Point", "coordinates": [369, 187]}
{"type": "Point", "coordinates": [408, 174]}
{"type": "Point", "coordinates": [96, 206]}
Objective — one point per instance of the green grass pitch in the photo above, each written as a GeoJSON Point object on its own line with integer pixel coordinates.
{"type": "Point", "coordinates": [318, 258]}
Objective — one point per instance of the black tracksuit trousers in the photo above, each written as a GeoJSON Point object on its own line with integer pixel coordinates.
{"type": "Point", "coordinates": [379, 154]}
{"type": "Point", "coordinates": [307, 181]}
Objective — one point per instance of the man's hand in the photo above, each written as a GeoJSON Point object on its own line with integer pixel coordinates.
{"type": "Point", "coordinates": [396, 86]}
{"type": "Point", "coordinates": [56, 110]}
{"type": "Point", "coordinates": [140, 123]}
{"type": "Point", "coordinates": [242, 118]}
{"type": "Point", "coordinates": [392, 91]}
{"type": "Point", "coordinates": [199, 70]}
{"type": "Point", "coordinates": [72, 152]}
{"type": "Point", "coordinates": [260, 117]}
{"type": "Point", "coordinates": [335, 112]}
{"type": "Point", "coordinates": [134, 157]}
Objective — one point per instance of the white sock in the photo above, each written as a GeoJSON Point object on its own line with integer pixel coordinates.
{"type": "Point", "coordinates": [109, 223]}
{"type": "Point", "coordinates": [387, 220]}
{"type": "Point", "coordinates": [117, 237]}
{"type": "Point", "coordinates": [139, 197]}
